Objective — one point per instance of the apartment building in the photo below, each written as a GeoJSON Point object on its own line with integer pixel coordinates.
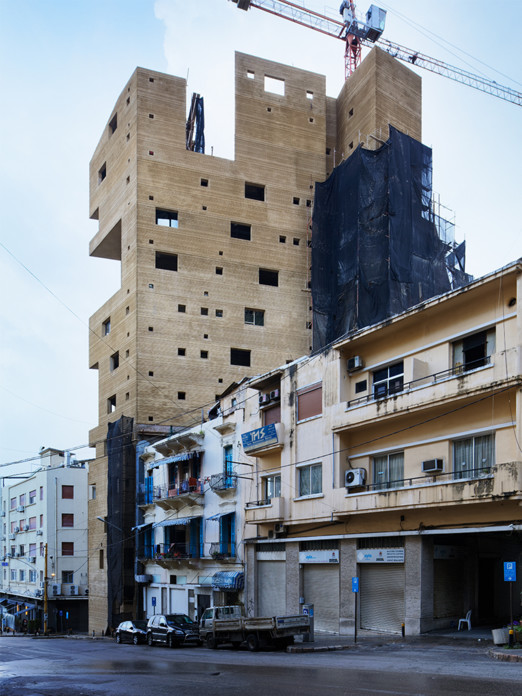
{"type": "Point", "coordinates": [44, 541]}
{"type": "Point", "coordinates": [393, 456]}
{"type": "Point", "coordinates": [189, 526]}
{"type": "Point", "coordinates": [214, 253]}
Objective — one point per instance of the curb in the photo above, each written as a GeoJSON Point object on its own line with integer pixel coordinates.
{"type": "Point", "coordinates": [505, 655]}
{"type": "Point", "coordinates": [319, 648]}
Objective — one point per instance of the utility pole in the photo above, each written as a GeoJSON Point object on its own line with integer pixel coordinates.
{"type": "Point", "coordinates": [45, 593]}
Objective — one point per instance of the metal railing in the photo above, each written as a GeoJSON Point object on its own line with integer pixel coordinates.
{"type": "Point", "coordinates": [463, 475]}
{"type": "Point", "coordinates": [259, 503]}
{"type": "Point", "coordinates": [455, 371]}
{"type": "Point", "coordinates": [223, 482]}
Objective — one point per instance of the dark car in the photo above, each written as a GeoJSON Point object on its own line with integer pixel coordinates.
{"type": "Point", "coordinates": [132, 632]}
{"type": "Point", "coordinates": [173, 630]}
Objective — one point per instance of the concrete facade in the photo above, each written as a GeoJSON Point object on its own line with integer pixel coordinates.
{"type": "Point", "coordinates": [214, 253]}
{"type": "Point", "coordinates": [397, 457]}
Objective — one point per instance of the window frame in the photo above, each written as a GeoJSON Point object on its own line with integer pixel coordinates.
{"type": "Point", "coordinates": [255, 315]}
{"type": "Point", "coordinates": [471, 345]}
{"type": "Point", "coordinates": [306, 402]}
{"type": "Point", "coordinates": [67, 488]}
{"type": "Point", "coordinates": [474, 471]}
{"type": "Point", "coordinates": [170, 217]}
{"type": "Point", "coordinates": [265, 274]}
{"type": "Point", "coordinates": [67, 548]}
{"type": "Point", "coordinates": [306, 471]}
{"type": "Point", "coordinates": [387, 482]}
{"type": "Point", "coordinates": [272, 486]}
{"type": "Point", "coordinates": [392, 383]}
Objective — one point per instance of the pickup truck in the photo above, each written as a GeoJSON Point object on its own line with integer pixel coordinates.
{"type": "Point", "coordinates": [220, 625]}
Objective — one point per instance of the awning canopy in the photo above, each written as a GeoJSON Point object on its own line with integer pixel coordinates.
{"type": "Point", "coordinates": [228, 580]}
{"type": "Point", "coordinates": [219, 515]}
{"type": "Point", "coordinates": [176, 521]}
{"type": "Point", "coordinates": [139, 527]}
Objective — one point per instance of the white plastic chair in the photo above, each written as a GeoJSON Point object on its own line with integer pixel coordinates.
{"type": "Point", "coordinates": [467, 620]}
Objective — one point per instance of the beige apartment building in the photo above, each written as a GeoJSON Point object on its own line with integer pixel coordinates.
{"type": "Point", "coordinates": [214, 256]}
{"type": "Point", "coordinates": [393, 456]}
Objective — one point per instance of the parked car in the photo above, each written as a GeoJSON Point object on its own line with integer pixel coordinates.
{"type": "Point", "coordinates": [173, 630]}
{"type": "Point", "coordinates": [132, 632]}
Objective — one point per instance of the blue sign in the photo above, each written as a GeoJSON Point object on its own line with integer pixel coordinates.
{"type": "Point", "coordinates": [355, 584]}
{"type": "Point", "coordinates": [510, 571]}
{"type": "Point", "coordinates": [4, 563]}
{"type": "Point", "coordinates": [260, 437]}
{"type": "Point", "coordinates": [153, 601]}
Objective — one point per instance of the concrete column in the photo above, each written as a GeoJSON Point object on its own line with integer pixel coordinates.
{"type": "Point", "coordinates": [292, 578]}
{"type": "Point", "coordinates": [418, 584]}
{"type": "Point", "coordinates": [348, 570]}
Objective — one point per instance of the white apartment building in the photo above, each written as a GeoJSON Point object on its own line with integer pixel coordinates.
{"type": "Point", "coordinates": [44, 521]}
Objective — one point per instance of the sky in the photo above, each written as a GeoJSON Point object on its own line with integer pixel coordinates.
{"type": "Point", "coordinates": [62, 67]}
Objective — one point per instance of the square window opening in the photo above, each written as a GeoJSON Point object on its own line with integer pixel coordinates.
{"type": "Point", "coordinates": [274, 85]}
{"type": "Point", "coordinates": [255, 192]}
{"type": "Point", "coordinates": [240, 231]}
{"type": "Point", "coordinates": [113, 124]}
{"type": "Point", "coordinates": [241, 357]}
{"type": "Point", "coordinates": [167, 218]}
{"type": "Point", "coordinates": [166, 262]}
{"type": "Point", "coordinates": [268, 277]}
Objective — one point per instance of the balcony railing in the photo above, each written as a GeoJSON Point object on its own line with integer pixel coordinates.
{"type": "Point", "coordinates": [175, 551]}
{"type": "Point", "coordinates": [455, 371]}
{"type": "Point", "coordinates": [464, 474]}
{"type": "Point", "coordinates": [223, 482]}
{"type": "Point", "coordinates": [259, 503]}
{"type": "Point", "coordinates": [191, 485]}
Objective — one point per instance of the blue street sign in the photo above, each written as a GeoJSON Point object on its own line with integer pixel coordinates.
{"type": "Point", "coordinates": [153, 601]}
{"type": "Point", "coordinates": [510, 571]}
{"type": "Point", "coordinates": [355, 584]}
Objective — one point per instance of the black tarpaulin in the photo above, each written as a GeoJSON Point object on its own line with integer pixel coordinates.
{"type": "Point", "coordinates": [376, 250]}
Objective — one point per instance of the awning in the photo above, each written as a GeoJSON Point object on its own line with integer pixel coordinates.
{"type": "Point", "coordinates": [176, 521]}
{"type": "Point", "coordinates": [27, 607]}
{"type": "Point", "coordinates": [219, 515]}
{"type": "Point", "coordinates": [141, 526]}
{"type": "Point", "coordinates": [228, 580]}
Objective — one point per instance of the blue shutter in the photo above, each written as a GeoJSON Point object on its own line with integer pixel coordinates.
{"type": "Point", "coordinates": [148, 489]}
{"type": "Point", "coordinates": [222, 535]}
{"type": "Point", "coordinates": [233, 535]}
{"type": "Point", "coordinates": [194, 538]}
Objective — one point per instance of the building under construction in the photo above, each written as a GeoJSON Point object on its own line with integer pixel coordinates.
{"type": "Point", "coordinates": [218, 266]}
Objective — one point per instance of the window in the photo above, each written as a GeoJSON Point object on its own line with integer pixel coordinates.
{"type": "Point", "coordinates": [360, 386]}
{"type": "Point", "coordinates": [268, 277]}
{"type": "Point", "coordinates": [474, 351]}
{"type": "Point", "coordinates": [473, 456]}
{"type": "Point", "coordinates": [41, 521]}
{"type": "Point", "coordinates": [32, 549]}
{"type": "Point", "coordinates": [13, 575]}
{"type": "Point", "coordinates": [204, 354]}
{"type": "Point", "coordinates": [22, 575]}
{"type": "Point", "coordinates": [388, 470]}
{"type": "Point", "coordinates": [219, 313]}
{"type": "Point", "coordinates": [182, 308]}
{"type": "Point", "coordinates": [272, 486]}
{"type": "Point", "coordinates": [255, 317]}
{"type": "Point", "coordinates": [67, 548]}
{"type": "Point", "coordinates": [227, 535]}
{"type": "Point", "coordinates": [41, 492]}
{"type": "Point", "coordinates": [32, 497]}
{"type": "Point", "coordinates": [67, 519]}
{"type": "Point", "coordinates": [274, 85]}
{"type": "Point", "coordinates": [181, 351]}
{"type": "Point", "coordinates": [388, 380]}
{"type": "Point", "coordinates": [32, 576]}
{"type": "Point", "coordinates": [219, 270]}
{"type": "Point", "coordinates": [167, 218]}
{"type": "Point", "coordinates": [309, 94]}
{"type": "Point", "coordinates": [240, 357]}
{"type": "Point", "coordinates": [106, 327]}
{"type": "Point", "coordinates": [282, 239]}
{"type": "Point", "coordinates": [67, 577]}
{"type": "Point", "coordinates": [296, 241]}
{"type": "Point", "coordinates": [111, 404]}
{"type": "Point", "coordinates": [113, 124]}
{"type": "Point", "coordinates": [166, 262]}
{"type": "Point", "coordinates": [255, 192]}
{"type": "Point", "coordinates": [93, 491]}
{"type": "Point", "coordinates": [67, 492]}
{"type": "Point", "coordinates": [32, 522]}
{"type": "Point", "coordinates": [309, 401]}
{"type": "Point", "coordinates": [22, 499]}
{"type": "Point", "coordinates": [102, 172]}
{"type": "Point", "coordinates": [296, 200]}
{"type": "Point", "coordinates": [182, 396]}
{"type": "Point", "coordinates": [13, 504]}
{"type": "Point", "coordinates": [204, 311]}
{"type": "Point", "coordinates": [310, 479]}
{"type": "Point", "coordinates": [240, 231]}
{"type": "Point", "coordinates": [114, 361]}
{"type": "Point", "coordinates": [100, 559]}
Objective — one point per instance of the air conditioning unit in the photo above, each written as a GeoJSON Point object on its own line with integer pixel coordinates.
{"type": "Point", "coordinates": [26, 528]}
{"type": "Point", "coordinates": [355, 363]}
{"type": "Point", "coordinates": [38, 593]}
{"type": "Point", "coordinates": [2, 514]}
{"type": "Point", "coordinates": [39, 532]}
{"type": "Point", "coordinates": [12, 536]}
{"type": "Point", "coordinates": [354, 478]}
{"type": "Point", "coordinates": [56, 590]}
{"type": "Point", "coordinates": [20, 508]}
{"type": "Point", "coordinates": [74, 590]}
{"type": "Point", "coordinates": [17, 529]}
{"type": "Point", "coordinates": [280, 528]}
{"type": "Point", "coordinates": [432, 466]}
{"type": "Point", "coordinates": [264, 399]}
{"type": "Point", "coordinates": [275, 395]}
{"type": "Point", "coordinates": [32, 559]}
{"type": "Point", "coordinates": [86, 592]}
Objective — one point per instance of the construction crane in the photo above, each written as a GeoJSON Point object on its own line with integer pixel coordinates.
{"type": "Point", "coordinates": [356, 33]}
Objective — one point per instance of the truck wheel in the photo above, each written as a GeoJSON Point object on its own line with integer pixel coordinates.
{"type": "Point", "coordinates": [149, 639]}
{"type": "Point", "coordinates": [252, 642]}
{"type": "Point", "coordinates": [211, 643]}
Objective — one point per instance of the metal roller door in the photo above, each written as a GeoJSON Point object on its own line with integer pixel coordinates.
{"type": "Point", "coordinates": [321, 588]}
{"type": "Point", "coordinates": [271, 588]}
{"type": "Point", "coordinates": [382, 597]}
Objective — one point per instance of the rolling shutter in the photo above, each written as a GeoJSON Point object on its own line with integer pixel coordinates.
{"type": "Point", "coordinates": [321, 588]}
{"type": "Point", "coordinates": [382, 597]}
{"type": "Point", "coordinates": [271, 588]}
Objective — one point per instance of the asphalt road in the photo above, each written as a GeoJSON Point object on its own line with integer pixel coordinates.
{"type": "Point", "coordinates": [86, 667]}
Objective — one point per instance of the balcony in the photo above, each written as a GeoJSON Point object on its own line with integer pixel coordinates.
{"type": "Point", "coordinates": [434, 491]}
{"type": "Point", "coordinates": [189, 493]}
{"type": "Point", "coordinates": [261, 511]}
{"type": "Point", "coordinates": [222, 483]}
{"type": "Point", "coordinates": [169, 555]}
{"type": "Point", "coordinates": [217, 554]}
